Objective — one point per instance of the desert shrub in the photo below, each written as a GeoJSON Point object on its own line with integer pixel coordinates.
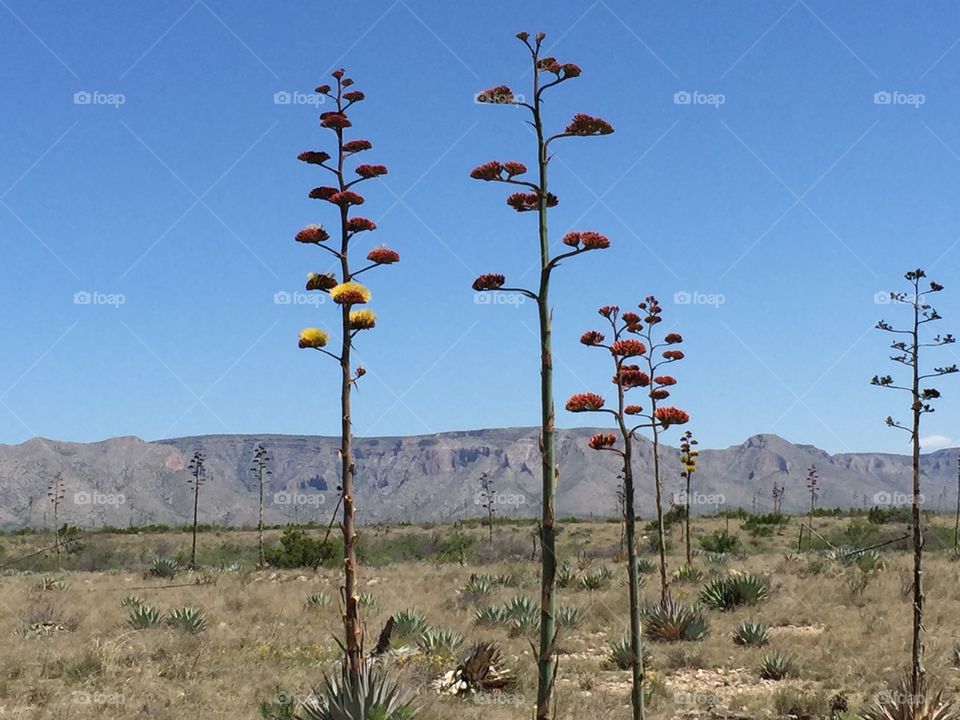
{"type": "Point", "coordinates": [165, 568]}
{"type": "Point", "coordinates": [456, 547]}
{"type": "Point", "coordinates": [296, 549]}
{"type": "Point", "coordinates": [721, 541]}
{"type": "Point", "coordinates": [883, 516]}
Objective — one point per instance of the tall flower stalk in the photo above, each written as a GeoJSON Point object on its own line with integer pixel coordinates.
{"type": "Point", "coordinates": [198, 475]}
{"type": "Point", "coordinates": [55, 491]}
{"type": "Point", "coordinates": [688, 466]}
{"type": "Point", "coordinates": [534, 196]}
{"type": "Point", "coordinates": [628, 376]}
{"type": "Point", "coordinates": [348, 295]}
{"type": "Point", "coordinates": [260, 469]}
{"type": "Point", "coordinates": [907, 352]}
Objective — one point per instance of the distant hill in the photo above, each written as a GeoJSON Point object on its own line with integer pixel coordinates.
{"type": "Point", "coordinates": [126, 480]}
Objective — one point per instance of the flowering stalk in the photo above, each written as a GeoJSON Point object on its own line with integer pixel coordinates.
{"type": "Point", "coordinates": [535, 197]}
{"type": "Point", "coordinates": [908, 354]}
{"type": "Point", "coordinates": [198, 475]}
{"type": "Point", "coordinates": [688, 462]}
{"type": "Point", "coordinates": [260, 469]}
{"type": "Point", "coordinates": [346, 292]}
{"type": "Point", "coordinates": [626, 377]}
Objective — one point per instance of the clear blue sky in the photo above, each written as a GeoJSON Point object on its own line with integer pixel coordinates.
{"type": "Point", "coordinates": [796, 199]}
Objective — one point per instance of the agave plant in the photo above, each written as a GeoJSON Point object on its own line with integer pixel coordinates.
{"type": "Point", "coordinates": [479, 588]}
{"type": "Point", "coordinates": [368, 600]}
{"type": "Point", "coordinates": [669, 621]}
{"type": "Point", "coordinates": [734, 590]}
{"type": "Point", "coordinates": [51, 584]}
{"type": "Point", "coordinates": [409, 624]}
{"type": "Point", "coordinates": [569, 616]}
{"type": "Point", "coordinates": [187, 619]}
{"type": "Point", "coordinates": [595, 580]}
{"type": "Point", "coordinates": [316, 600]}
{"type": "Point", "coordinates": [621, 656]}
{"type": "Point", "coordinates": [490, 616]}
{"type": "Point", "coordinates": [687, 574]}
{"type": "Point", "coordinates": [646, 566]}
{"type": "Point", "coordinates": [776, 666]}
{"type": "Point", "coordinates": [165, 568]}
{"type": "Point", "coordinates": [519, 606]}
{"type": "Point", "coordinates": [904, 704]}
{"type": "Point", "coordinates": [752, 634]}
{"type": "Point", "coordinates": [131, 601]}
{"type": "Point", "coordinates": [368, 694]}
{"type": "Point", "coordinates": [525, 622]}
{"type": "Point", "coordinates": [566, 576]}
{"type": "Point", "coordinates": [482, 670]}
{"type": "Point", "coordinates": [435, 641]}
{"type": "Point", "coordinates": [144, 617]}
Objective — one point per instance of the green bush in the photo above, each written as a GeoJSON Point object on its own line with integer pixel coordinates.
{"type": "Point", "coordinates": [721, 541]}
{"type": "Point", "coordinates": [297, 549]}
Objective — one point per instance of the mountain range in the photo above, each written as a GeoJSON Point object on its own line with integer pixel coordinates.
{"type": "Point", "coordinates": [125, 480]}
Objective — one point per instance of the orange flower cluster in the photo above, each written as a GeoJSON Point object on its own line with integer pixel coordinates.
{"type": "Point", "coordinates": [524, 202]}
{"type": "Point", "coordinates": [589, 239]}
{"type": "Point", "coordinates": [586, 125]}
{"type": "Point", "coordinates": [631, 376]}
{"type": "Point", "coordinates": [628, 348]}
{"type": "Point", "coordinates": [371, 171]}
{"type": "Point", "coordinates": [355, 146]}
{"type": "Point", "coordinates": [671, 416]}
{"type": "Point", "coordinates": [592, 337]}
{"type": "Point", "coordinates": [489, 281]}
{"type": "Point", "coordinates": [584, 402]}
{"type": "Point", "coordinates": [313, 235]}
{"type": "Point", "coordinates": [602, 441]}
{"type": "Point", "coordinates": [359, 224]}
{"type": "Point", "coordinates": [383, 256]}
{"type": "Point", "coordinates": [334, 120]}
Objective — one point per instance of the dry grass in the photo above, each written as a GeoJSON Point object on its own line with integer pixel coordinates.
{"type": "Point", "coordinates": [845, 633]}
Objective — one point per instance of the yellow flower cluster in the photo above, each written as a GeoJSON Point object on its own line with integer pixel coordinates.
{"type": "Point", "coordinates": [362, 319]}
{"type": "Point", "coordinates": [350, 293]}
{"type": "Point", "coordinates": [313, 338]}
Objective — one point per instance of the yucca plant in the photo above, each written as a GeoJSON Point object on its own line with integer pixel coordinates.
{"type": "Point", "coordinates": [621, 655]}
{"type": "Point", "coordinates": [368, 693]}
{"type": "Point", "coordinates": [569, 616]}
{"type": "Point", "coordinates": [165, 568]}
{"type": "Point", "coordinates": [776, 666]}
{"type": "Point", "coordinates": [187, 619]}
{"type": "Point", "coordinates": [904, 704]}
{"type": "Point", "coordinates": [732, 591]}
{"type": "Point", "coordinates": [488, 616]}
{"type": "Point", "coordinates": [131, 601]}
{"type": "Point", "coordinates": [670, 621]}
{"type": "Point", "coordinates": [435, 641]}
{"type": "Point", "coordinates": [687, 574]}
{"type": "Point", "coordinates": [409, 624]}
{"type": "Point", "coordinates": [316, 600]}
{"type": "Point", "coordinates": [751, 633]}
{"type": "Point", "coordinates": [144, 617]}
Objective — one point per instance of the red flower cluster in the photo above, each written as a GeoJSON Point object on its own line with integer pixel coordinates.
{"type": "Point", "coordinates": [313, 157]}
{"type": "Point", "coordinates": [550, 64]}
{"type": "Point", "coordinates": [334, 120]}
{"type": "Point", "coordinates": [591, 240]}
{"type": "Point", "coordinates": [337, 73]}
{"type": "Point", "coordinates": [628, 348]}
{"type": "Point", "coordinates": [584, 402]}
{"type": "Point", "coordinates": [664, 380]}
{"type": "Point", "coordinates": [673, 354]}
{"type": "Point", "coordinates": [673, 338]}
{"type": "Point", "coordinates": [671, 416]}
{"type": "Point", "coordinates": [355, 146]}
{"type": "Point", "coordinates": [660, 394]}
{"type": "Point", "coordinates": [322, 89]}
{"type": "Point", "coordinates": [514, 168]}
{"type": "Point", "coordinates": [591, 337]}
{"type": "Point", "coordinates": [602, 442]}
{"type": "Point", "coordinates": [588, 125]}
{"type": "Point", "coordinates": [489, 281]}
{"type": "Point", "coordinates": [354, 96]}
{"type": "Point", "coordinates": [371, 171]}
{"type": "Point", "coordinates": [631, 376]}
{"type": "Point", "coordinates": [312, 234]}
{"type": "Point", "coordinates": [488, 171]}
{"type": "Point", "coordinates": [499, 95]}
{"type": "Point", "coordinates": [383, 256]}
{"type": "Point", "coordinates": [632, 410]}
{"type": "Point", "coordinates": [320, 281]}
{"type": "Point", "coordinates": [522, 202]}
{"type": "Point", "coordinates": [608, 310]}
{"type": "Point", "coordinates": [323, 193]}
{"type": "Point", "coordinates": [346, 198]}
{"type": "Point", "coordinates": [359, 224]}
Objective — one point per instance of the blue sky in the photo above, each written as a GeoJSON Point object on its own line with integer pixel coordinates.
{"type": "Point", "coordinates": [781, 199]}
